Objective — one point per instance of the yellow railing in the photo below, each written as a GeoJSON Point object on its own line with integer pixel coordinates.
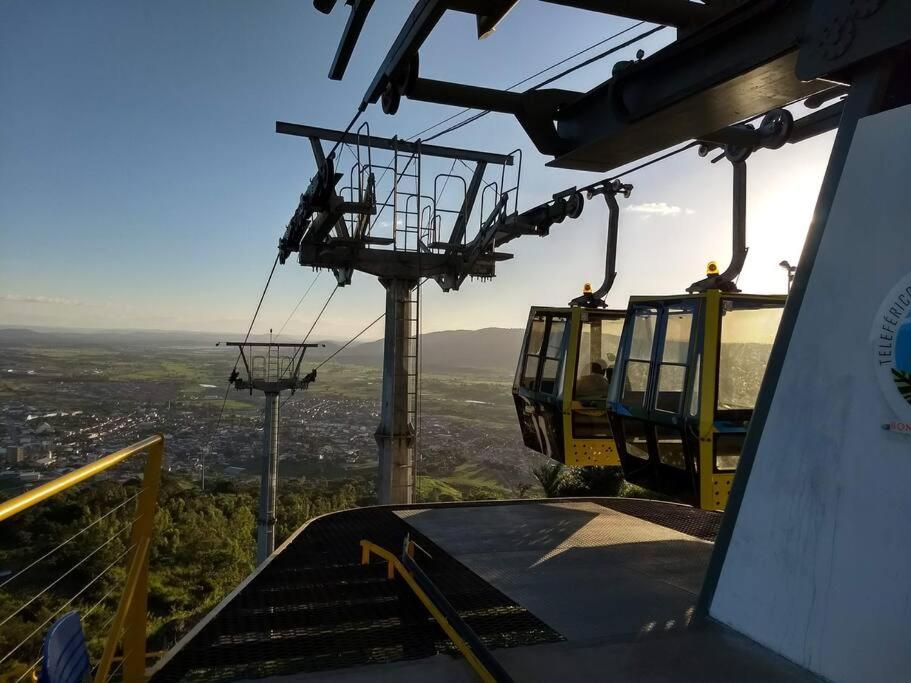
{"type": "Point", "coordinates": [130, 618]}
{"type": "Point", "coordinates": [395, 566]}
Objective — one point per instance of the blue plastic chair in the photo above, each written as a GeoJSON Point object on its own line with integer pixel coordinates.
{"type": "Point", "coordinates": [65, 656]}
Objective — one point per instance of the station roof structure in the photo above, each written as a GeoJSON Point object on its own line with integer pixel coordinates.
{"type": "Point", "coordinates": [732, 60]}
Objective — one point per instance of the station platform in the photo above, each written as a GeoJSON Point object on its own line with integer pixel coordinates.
{"type": "Point", "coordinates": [557, 589]}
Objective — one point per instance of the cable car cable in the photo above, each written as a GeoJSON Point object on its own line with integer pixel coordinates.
{"type": "Point", "coordinates": [357, 115]}
{"type": "Point", "coordinates": [246, 337]}
{"type": "Point", "coordinates": [299, 302]}
{"type": "Point", "coordinates": [538, 73]}
{"type": "Point", "coordinates": [350, 341]}
{"type": "Point", "coordinates": [358, 335]}
{"type": "Point", "coordinates": [522, 82]}
{"type": "Point", "coordinates": [599, 56]}
{"type": "Point", "coordinates": [548, 81]}
{"type": "Point", "coordinates": [307, 336]}
{"type": "Point", "coordinates": [320, 314]}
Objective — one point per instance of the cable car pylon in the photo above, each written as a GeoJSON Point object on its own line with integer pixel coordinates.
{"type": "Point", "coordinates": [271, 372]}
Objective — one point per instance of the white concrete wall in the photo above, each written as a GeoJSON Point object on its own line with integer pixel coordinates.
{"type": "Point", "coordinates": [819, 566]}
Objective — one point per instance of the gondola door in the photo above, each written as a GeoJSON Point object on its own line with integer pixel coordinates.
{"type": "Point", "coordinates": [539, 380]}
{"type": "Point", "coordinates": [651, 402]}
{"type": "Point", "coordinates": [739, 330]}
{"type": "Point", "coordinates": [592, 354]}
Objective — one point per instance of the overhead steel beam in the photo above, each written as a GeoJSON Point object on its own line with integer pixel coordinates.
{"type": "Point", "coordinates": [736, 60]}
{"type": "Point", "coordinates": [817, 123]}
{"type": "Point", "coordinates": [737, 67]}
{"type": "Point", "coordinates": [387, 263]}
{"type": "Point", "coordinates": [461, 95]}
{"type": "Point", "coordinates": [393, 144]}
{"type": "Point", "coordinates": [359, 11]}
{"type": "Point", "coordinates": [492, 14]}
{"type": "Point", "coordinates": [417, 27]}
{"type": "Point", "coordinates": [471, 194]}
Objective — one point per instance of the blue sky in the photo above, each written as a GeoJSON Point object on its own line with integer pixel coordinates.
{"type": "Point", "coordinates": [142, 184]}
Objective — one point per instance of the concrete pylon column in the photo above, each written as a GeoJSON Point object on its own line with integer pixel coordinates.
{"type": "Point", "coordinates": [265, 533]}
{"type": "Point", "coordinates": [395, 436]}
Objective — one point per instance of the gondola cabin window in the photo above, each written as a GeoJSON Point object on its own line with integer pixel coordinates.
{"type": "Point", "coordinates": [533, 352]}
{"type": "Point", "coordinates": [635, 383]}
{"type": "Point", "coordinates": [598, 344]}
{"type": "Point", "coordinates": [674, 355]}
{"type": "Point", "coordinates": [542, 368]}
{"type": "Point", "coordinates": [553, 355]}
{"type": "Point", "coordinates": [747, 332]}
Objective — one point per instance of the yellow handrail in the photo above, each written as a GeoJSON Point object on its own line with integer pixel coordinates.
{"type": "Point", "coordinates": [395, 566]}
{"type": "Point", "coordinates": [16, 505]}
{"type": "Point", "coordinates": [130, 619]}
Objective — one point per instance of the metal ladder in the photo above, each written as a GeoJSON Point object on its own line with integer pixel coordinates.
{"type": "Point", "coordinates": [413, 376]}
{"type": "Point", "coordinates": [406, 202]}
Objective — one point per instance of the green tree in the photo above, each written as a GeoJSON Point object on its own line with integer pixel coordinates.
{"type": "Point", "coordinates": [550, 476]}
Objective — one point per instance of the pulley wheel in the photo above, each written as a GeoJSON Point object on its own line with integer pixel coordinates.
{"type": "Point", "coordinates": [776, 127]}
{"type": "Point", "coordinates": [391, 99]}
{"type": "Point", "coordinates": [574, 205]}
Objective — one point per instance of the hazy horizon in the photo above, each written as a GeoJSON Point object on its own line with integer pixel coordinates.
{"type": "Point", "coordinates": [229, 336]}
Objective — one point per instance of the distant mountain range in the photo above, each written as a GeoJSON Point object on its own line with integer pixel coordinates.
{"type": "Point", "coordinates": [491, 348]}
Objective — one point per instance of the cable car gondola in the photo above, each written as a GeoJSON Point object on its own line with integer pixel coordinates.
{"type": "Point", "coordinates": [687, 376]}
{"type": "Point", "coordinates": [564, 371]}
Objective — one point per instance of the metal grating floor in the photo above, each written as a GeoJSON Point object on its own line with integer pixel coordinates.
{"type": "Point", "coordinates": [695, 522]}
{"type": "Point", "coordinates": [315, 608]}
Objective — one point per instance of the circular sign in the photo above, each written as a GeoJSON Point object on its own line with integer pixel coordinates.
{"type": "Point", "coordinates": [891, 339]}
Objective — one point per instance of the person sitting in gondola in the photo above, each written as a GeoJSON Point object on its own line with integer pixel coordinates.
{"type": "Point", "coordinates": [594, 385]}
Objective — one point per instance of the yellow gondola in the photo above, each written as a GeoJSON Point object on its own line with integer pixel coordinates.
{"type": "Point", "coordinates": [564, 371]}
{"type": "Point", "coordinates": [687, 376]}
{"type": "Point", "coordinates": [686, 382]}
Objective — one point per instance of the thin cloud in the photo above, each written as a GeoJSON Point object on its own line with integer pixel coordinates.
{"type": "Point", "coordinates": [26, 299]}
{"type": "Point", "coordinates": [659, 209]}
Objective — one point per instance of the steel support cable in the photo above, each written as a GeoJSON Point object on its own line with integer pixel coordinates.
{"type": "Point", "coordinates": [91, 609]}
{"type": "Point", "coordinates": [350, 341]}
{"type": "Point", "coordinates": [71, 538]}
{"type": "Point", "coordinates": [84, 616]}
{"type": "Point", "coordinates": [599, 56]}
{"type": "Point", "coordinates": [359, 334]}
{"type": "Point", "coordinates": [116, 669]}
{"type": "Point", "coordinates": [644, 164]}
{"type": "Point", "coordinates": [538, 73]}
{"type": "Point", "coordinates": [319, 315]}
{"type": "Point", "coordinates": [246, 337]}
{"type": "Point", "coordinates": [66, 573]}
{"type": "Point", "coordinates": [548, 81]}
{"type": "Point", "coordinates": [300, 301]}
{"type": "Point", "coordinates": [357, 115]}
{"type": "Point", "coordinates": [67, 603]}
{"type": "Point", "coordinates": [304, 341]}
{"type": "Point", "coordinates": [29, 670]}
{"type": "Point", "coordinates": [523, 82]}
